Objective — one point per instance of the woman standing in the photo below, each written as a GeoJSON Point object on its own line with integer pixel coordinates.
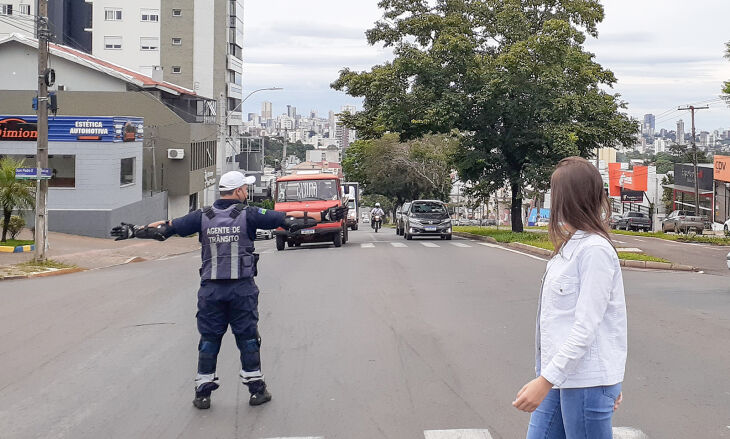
{"type": "Point", "coordinates": [580, 350]}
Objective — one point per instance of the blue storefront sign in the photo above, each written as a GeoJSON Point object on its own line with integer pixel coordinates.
{"type": "Point", "coordinates": [74, 129]}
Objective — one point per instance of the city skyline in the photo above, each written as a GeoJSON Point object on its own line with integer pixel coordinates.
{"type": "Point", "coordinates": [658, 67]}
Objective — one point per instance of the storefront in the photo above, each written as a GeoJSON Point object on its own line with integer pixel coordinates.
{"type": "Point", "coordinates": [722, 189]}
{"type": "Point", "coordinates": [683, 188]}
{"type": "Point", "coordinates": [96, 170]}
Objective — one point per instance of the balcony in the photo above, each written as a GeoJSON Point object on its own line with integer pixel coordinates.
{"type": "Point", "coordinates": [234, 91]}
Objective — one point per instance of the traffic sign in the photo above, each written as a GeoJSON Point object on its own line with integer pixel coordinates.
{"type": "Point", "coordinates": [32, 174]}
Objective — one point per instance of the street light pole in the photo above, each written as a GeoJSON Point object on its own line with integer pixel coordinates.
{"type": "Point", "coordinates": [41, 211]}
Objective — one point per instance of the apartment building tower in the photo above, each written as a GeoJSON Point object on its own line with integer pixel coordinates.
{"type": "Point", "coordinates": [680, 132]}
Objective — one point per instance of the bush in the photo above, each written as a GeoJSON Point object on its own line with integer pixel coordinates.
{"type": "Point", "coordinates": [15, 225]}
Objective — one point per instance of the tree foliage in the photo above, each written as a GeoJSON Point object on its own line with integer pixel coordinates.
{"type": "Point", "coordinates": [510, 74]}
{"type": "Point", "coordinates": [14, 194]}
{"type": "Point", "coordinates": [274, 150]}
{"type": "Point", "coordinates": [399, 170]}
{"type": "Point", "coordinates": [726, 84]}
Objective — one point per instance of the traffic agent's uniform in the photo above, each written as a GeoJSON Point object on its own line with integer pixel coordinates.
{"type": "Point", "coordinates": [228, 294]}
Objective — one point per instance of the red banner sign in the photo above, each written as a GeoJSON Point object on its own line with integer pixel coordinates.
{"type": "Point", "coordinates": [17, 129]}
{"type": "Point", "coordinates": [634, 180]}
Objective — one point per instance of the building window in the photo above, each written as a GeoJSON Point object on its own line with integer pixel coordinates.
{"type": "Point", "coordinates": [24, 9]}
{"type": "Point", "coordinates": [112, 14]}
{"type": "Point", "coordinates": [177, 12]}
{"type": "Point", "coordinates": [112, 43]}
{"type": "Point", "coordinates": [177, 41]}
{"type": "Point", "coordinates": [151, 15]}
{"type": "Point", "coordinates": [126, 176]}
{"type": "Point", "coordinates": [149, 43]}
{"type": "Point", "coordinates": [176, 69]}
{"type": "Point", "coordinates": [202, 155]}
{"type": "Point", "coordinates": [6, 9]}
{"type": "Point", "coordinates": [63, 171]}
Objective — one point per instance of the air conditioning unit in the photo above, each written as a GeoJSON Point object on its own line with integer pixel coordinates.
{"type": "Point", "coordinates": [175, 154]}
{"type": "Point", "coordinates": [61, 87]}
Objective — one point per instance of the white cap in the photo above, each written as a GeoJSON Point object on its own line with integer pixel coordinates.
{"type": "Point", "coordinates": [233, 180]}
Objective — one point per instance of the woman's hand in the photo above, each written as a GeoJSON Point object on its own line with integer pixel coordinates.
{"type": "Point", "coordinates": [618, 402]}
{"type": "Point", "coordinates": [532, 394]}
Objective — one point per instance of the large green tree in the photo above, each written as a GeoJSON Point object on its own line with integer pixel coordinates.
{"type": "Point", "coordinates": [400, 170]}
{"type": "Point", "coordinates": [726, 84]}
{"type": "Point", "coordinates": [512, 75]}
{"type": "Point", "coordinates": [14, 193]}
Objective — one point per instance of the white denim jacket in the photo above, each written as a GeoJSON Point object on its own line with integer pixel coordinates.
{"type": "Point", "coordinates": [581, 322]}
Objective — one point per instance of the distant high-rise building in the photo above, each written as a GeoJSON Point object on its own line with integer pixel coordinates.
{"type": "Point", "coordinates": [680, 132]}
{"type": "Point", "coordinates": [266, 110]}
{"type": "Point", "coordinates": [649, 124]}
{"type": "Point", "coordinates": [291, 111]}
{"type": "Point", "coordinates": [349, 109]}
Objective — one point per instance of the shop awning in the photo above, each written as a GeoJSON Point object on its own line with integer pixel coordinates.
{"type": "Point", "coordinates": [690, 189]}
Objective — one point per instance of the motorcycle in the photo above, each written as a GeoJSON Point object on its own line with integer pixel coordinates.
{"type": "Point", "coordinates": [377, 223]}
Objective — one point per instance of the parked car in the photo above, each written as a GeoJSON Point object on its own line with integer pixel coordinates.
{"type": "Point", "coordinates": [542, 222]}
{"type": "Point", "coordinates": [682, 221]}
{"type": "Point", "coordinates": [263, 234]}
{"type": "Point", "coordinates": [399, 220]}
{"type": "Point", "coordinates": [634, 221]}
{"type": "Point", "coordinates": [427, 218]}
{"type": "Point", "coordinates": [489, 222]}
{"type": "Point", "coordinates": [613, 221]}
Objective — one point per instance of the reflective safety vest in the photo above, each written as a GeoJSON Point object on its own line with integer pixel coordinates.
{"type": "Point", "coordinates": [227, 251]}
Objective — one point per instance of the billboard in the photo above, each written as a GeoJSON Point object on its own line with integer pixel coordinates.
{"type": "Point", "coordinates": [73, 129]}
{"type": "Point", "coordinates": [634, 180]}
{"type": "Point", "coordinates": [684, 175]}
{"type": "Point", "coordinates": [629, 196]}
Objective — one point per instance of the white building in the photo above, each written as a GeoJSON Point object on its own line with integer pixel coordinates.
{"type": "Point", "coordinates": [17, 17]}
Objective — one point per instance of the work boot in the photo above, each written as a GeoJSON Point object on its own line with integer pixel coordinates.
{"type": "Point", "coordinates": [202, 395]}
{"type": "Point", "coordinates": [259, 394]}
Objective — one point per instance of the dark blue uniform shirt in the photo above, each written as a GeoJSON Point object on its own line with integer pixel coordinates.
{"type": "Point", "coordinates": [256, 218]}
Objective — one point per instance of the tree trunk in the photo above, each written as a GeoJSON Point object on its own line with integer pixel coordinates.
{"type": "Point", "coordinates": [516, 210]}
{"type": "Point", "coordinates": [6, 221]}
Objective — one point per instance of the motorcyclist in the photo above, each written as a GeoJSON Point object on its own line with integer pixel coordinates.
{"type": "Point", "coordinates": [228, 294]}
{"type": "Point", "coordinates": [376, 212]}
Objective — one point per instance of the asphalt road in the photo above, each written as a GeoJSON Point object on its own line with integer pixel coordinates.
{"type": "Point", "coordinates": [371, 340]}
{"type": "Point", "coordinates": [709, 258]}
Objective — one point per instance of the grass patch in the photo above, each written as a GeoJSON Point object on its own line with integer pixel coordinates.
{"type": "Point", "coordinates": [16, 242]}
{"type": "Point", "coordinates": [48, 264]}
{"type": "Point", "coordinates": [640, 257]}
{"type": "Point", "coordinates": [714, 240]}
{"type": "Point", "coordinates": [539, 240]}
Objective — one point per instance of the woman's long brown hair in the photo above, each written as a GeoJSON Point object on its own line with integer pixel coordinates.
{"type": "Point", "coordinates": [577, 198]}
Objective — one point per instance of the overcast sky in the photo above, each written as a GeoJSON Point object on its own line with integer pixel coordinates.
{"type": "Point", "coordinates": [665, 54]}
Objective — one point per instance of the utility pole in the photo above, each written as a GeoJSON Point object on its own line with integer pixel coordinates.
{"type": "Point", "coordinates": [692, 109]}
{"type": "Point", "coordinates": [41, 206]}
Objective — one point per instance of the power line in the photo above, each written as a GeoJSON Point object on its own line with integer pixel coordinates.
{"type": "Point", "coordinates": [16, 25]}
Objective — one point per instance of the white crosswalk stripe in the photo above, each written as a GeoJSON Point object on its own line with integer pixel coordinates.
{"type": "Point", "coordinates": [628, 433]}
{"type": "Point", "coordinates": [398, 244]}
{"type": "Point", "coordinates": [460, 244]}
{"type": "Point", "coordinates": [367, 245]}
{"type": "Point", "coordinates": [298, 437]}
{"type": "Point", "coordinates": [429, 244]}
{"type": "Point", "coordinates": [457, 434]}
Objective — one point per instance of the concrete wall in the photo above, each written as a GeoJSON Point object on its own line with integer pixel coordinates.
{"type": "Point", "coordinates": [19, 71]}
{"type": "Point", "coordinates": [204, 30]}
{"type": "Point", "coordinates": [98, 223]}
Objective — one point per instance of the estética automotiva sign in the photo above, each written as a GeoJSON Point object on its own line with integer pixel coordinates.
{"type": "Point", "coordinates": [32, 174]}
{"type": "Point", "coordinates": [74, 129]}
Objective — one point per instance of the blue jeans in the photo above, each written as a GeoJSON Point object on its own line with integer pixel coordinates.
{"type": "Point", "coordinates": [575, 414]}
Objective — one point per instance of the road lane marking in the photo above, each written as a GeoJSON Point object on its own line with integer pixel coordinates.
{"type": "Point", "coordinates": [398, 244]}
{"type": "Point", "coordinates": [367, 245]}
{"type": "Point", "coordinates": [457, 434]}
{"type": "Point", "coordinates": [460, 244]}
{"type": "Point", "coordinates": [487, 244]}
{"type": "Point", "coordinates": [629, 250]}
{"type": "Point", "coordinates": [619, 242]}
{"type": "Point", "coordinates": [429, 244]}
{"type": "Point", "coordinates": [628, 433]}
{"type": "Point", "coordinates": [298, 437]}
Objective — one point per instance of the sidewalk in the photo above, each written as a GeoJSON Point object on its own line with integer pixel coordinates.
{"type": "Point", "coordinates": [89, 253]}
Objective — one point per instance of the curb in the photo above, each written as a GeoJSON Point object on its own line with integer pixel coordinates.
{"type": "Point", "coordinates": [18, 249]}
{"type": "Point", "coordinates": [647, 265]}
{"type": "Point", "coordinates": [44, 274]}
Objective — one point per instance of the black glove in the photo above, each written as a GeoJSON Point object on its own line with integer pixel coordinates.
{"type": "Point", "coordinates": [124, 231]}
{"type": "Point", "coordinates": [294, 224]}
{"type": "Point", "coordinates": [334, 213]}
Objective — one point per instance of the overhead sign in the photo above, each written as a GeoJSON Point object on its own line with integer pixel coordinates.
{"type": "Point", "coordinates": [32, 174]}
{"type": "Point", "coordinates": [74, 129]}
{"type": "Point", "coordinates": [684, 175]}
{"type": "Point", "coordinates": [629, 196]}
{"type": "Point", "coordinates": [635, 179]}
{"type": "Point", "coordinates": [722, 168]}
